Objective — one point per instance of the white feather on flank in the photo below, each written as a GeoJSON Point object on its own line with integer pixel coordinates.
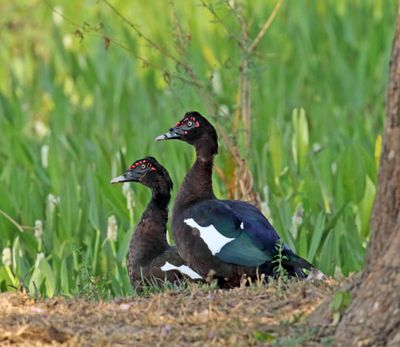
{"type": "Point", "coordinates": [211, 236]}
{"type": "Point", "coordinates": [186, 270]}
{"type": "Point", "coordinates": [241, 226]}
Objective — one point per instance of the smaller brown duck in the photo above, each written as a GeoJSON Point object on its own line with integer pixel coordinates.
{"type": "Point", "coordinates": [150, 257]}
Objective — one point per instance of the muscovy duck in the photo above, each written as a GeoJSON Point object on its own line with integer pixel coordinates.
{"type": "Point", "coordinates": [150, 258]}
{"type": "Point", "coordinates": [228, 237]}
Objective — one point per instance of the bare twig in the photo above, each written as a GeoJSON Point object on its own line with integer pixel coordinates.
{"type": "Point", "coordinates": [149, 63]}
{"type": "Point", "coordinates": [13, 221]}
{"type": "Point", "coordinates": [266, 25]}
{"type": "Point", "coordinates": [244, 179]}
{"type": "Point", "coordinates": [245, 97]}
{"type": "Point", "coordinates": [181, 40]}
{"type": "Point", "coordinates": [239, 17]}
{"type": "Point", "coordinates": [219, 20]}
{"type": "Point", "coordinates": [49, 5]}
{"type": "Point", "coordinates": [150, 42]}
{"type": "Point", "coordinates": [193, 78]}
{"type": "Point", "coordinates": [146, 62]}
{"type": "Point", "coordinates": [244, 86]}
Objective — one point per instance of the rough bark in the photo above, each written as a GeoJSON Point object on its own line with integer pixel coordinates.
{"type": "Point", "coordinates": [373, 318]}
{"type": "Point", "coordinates": [385, 215]}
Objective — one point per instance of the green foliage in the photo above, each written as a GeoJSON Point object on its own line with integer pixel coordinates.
{"type": "Point", "coordinates": [300, 138]}
{"type": "Point", "coordinates": [74, 114]}
{"type": "Point", "coordinates": [280, 271]}
{"type": "Point", "coordinates": [263, 337]}
{"type": "Point", "coordinates": [340, 302]}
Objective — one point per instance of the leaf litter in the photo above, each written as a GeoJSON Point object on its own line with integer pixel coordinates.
{"type": "Point", "coordinates": [272, 314]}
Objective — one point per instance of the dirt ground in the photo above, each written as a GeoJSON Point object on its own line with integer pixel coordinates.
{"type": "Point", "coordinates": [256, 315]}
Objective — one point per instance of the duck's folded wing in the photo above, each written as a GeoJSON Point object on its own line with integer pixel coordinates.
{"type": "Point", "coordinates": [231, 236]}
{"type": "Point", "coordinates": [263, 233]}
{"type": "Point", "coordinates": [255, 224]}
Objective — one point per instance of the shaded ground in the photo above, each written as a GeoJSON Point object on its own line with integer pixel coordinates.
{"type": "Point", "coordinates": [195, 317]}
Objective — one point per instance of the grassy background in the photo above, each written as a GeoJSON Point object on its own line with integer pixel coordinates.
{"type": "Point", "coordinates": [95, 110]}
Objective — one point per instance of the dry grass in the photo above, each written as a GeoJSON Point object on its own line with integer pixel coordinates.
{"type": "Point", "coordinates": [195, 317]}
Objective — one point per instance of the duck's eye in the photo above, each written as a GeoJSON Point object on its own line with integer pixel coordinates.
{"type": "Point", "coordinates": [189, 123]}
{"type": "Point", "coordinates": [143, 166]}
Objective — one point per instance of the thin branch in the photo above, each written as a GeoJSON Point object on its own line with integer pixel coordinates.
{"type": "Point", "coordinates": [267, 24]}
{"type": "Point", "coordinates": [240, 20]}
{"type": "Point", "coordinates": [122, 45]}
{"type": "Point", "coordinates": [220, 21]}
{"type": "Point", "coordinates": [61, 14]}
{"type": "Point", "coordinates": [13, 221]}
{"type": "Point", "coordinates": [147, 62]}
{"type": "Point", "coordinates": [152, 44]}
{"type": "Point", "coordinates": [181, 43]}
{"type": "Point", "coordinates": [188, 69]}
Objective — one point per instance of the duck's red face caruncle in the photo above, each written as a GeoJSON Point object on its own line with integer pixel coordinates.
{"type": "Point", "coordinates": [188, 129]}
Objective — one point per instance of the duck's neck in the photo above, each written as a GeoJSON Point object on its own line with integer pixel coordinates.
{"type": "Point", "coordinates": [149, 238]}
{"type": "Point", "coordinates": [159, 201]}
{"type": "Point", "coordinates": [197, 185]}
{"type": "Point", "coordinates": [157, 209]}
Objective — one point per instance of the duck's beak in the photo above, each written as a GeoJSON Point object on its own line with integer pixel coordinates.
{"type": "Point", "coordinates": [128, 176]}
{"type": "Point", "coordinates": [173, 133]}
{"type": "Point", "coordinates": [118, 179]}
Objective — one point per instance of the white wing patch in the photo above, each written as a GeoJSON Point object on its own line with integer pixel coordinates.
{"type": "Point", "coordinates": [186, 270]}
{"type": "Point", "coordinates": [211, 236]}
{"type": "Point", "coordinates": [241, 226]}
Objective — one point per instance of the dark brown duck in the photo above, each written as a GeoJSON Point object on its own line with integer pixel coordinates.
{"type": "Point", "coordinates": [228, 237]}
{"type": "Point", "coordinates": [150, 257]}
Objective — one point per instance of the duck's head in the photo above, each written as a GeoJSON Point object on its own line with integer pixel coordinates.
{"type": "Point", "coordinates": [147, 171]}
{"type": "Point", "coordinates": [194, 129]}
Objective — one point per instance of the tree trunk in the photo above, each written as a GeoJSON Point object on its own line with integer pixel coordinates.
{"type": "Point", "coordinates": [373, 318]}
